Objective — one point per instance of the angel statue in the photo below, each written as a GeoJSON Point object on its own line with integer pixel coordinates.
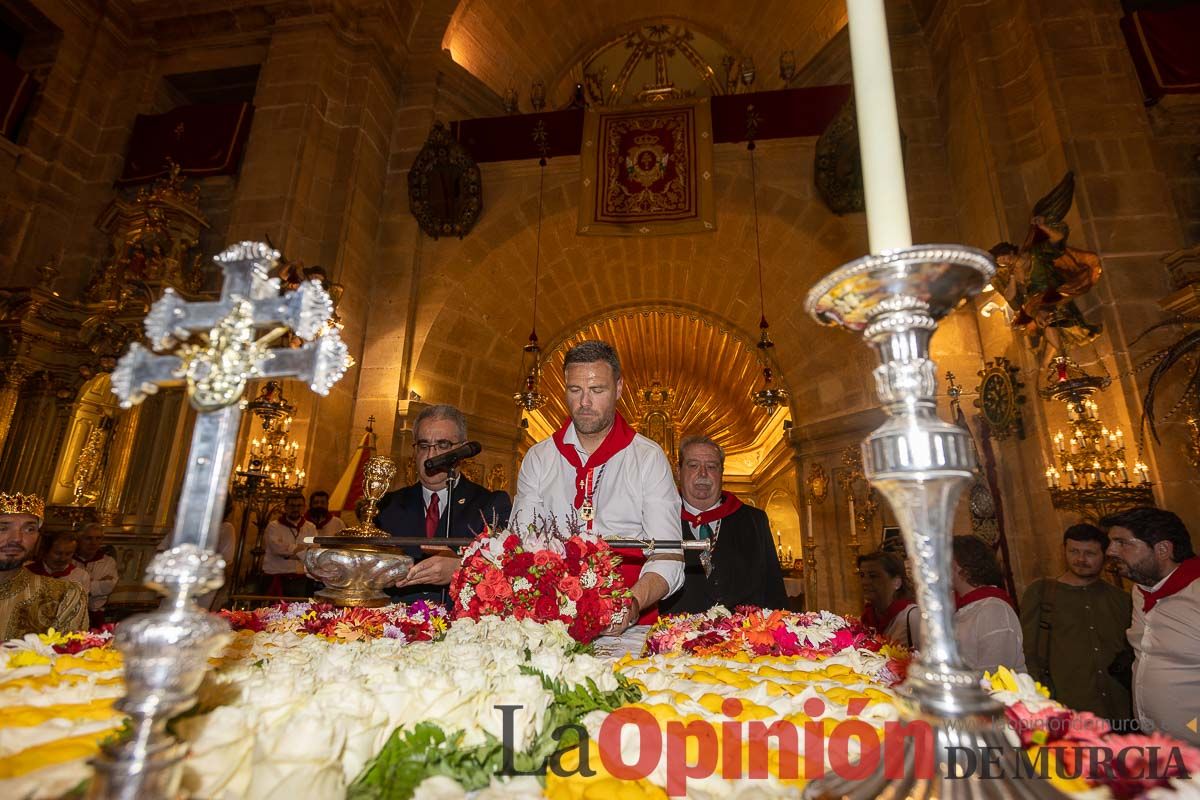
{"type": "Point", "coordinates": [1041, 279]}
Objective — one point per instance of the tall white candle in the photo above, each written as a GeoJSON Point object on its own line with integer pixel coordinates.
{"type": "Point", "coordinates": [878, 127]}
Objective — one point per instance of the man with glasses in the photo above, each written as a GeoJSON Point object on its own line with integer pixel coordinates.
{"type": "Point", "coordinates": [420, 509]}
{"type": "Point", "coordinates": [1152, 548]}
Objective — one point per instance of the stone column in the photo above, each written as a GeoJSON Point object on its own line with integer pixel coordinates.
{"type": "Point", "coordinates": [14, 376]}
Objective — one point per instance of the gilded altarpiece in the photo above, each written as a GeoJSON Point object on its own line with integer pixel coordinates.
{"type": "Point", "coordinates": [61, 432]}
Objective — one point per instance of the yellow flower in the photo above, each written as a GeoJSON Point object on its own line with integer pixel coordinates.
{"type": "Point", "coordinates": [27, 658]}
{"type": "Point", "coordinates": [53, 637]}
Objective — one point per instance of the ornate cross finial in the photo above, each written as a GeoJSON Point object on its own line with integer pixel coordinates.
{"type": "Point", "coordinates": [217, 347]}
{"type": "Point", "coordinates": [216, 371]}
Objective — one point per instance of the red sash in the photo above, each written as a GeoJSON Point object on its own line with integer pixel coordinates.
{"type": "Point", "coordinates": [1183, 576]}
{"type": "Point", "coordinates": [981, 593]}
{"type": "Point", "coordinates": [618, 438]}
{"type": "Point", "coordinates": [729, 504]}
{"type": "Point", "coordinates": [881, 623]}
{"type": "Point", "coordinates": [38, 568]}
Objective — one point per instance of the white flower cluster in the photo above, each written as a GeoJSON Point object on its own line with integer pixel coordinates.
{"type": "Point", "coordinates": [296, 716]}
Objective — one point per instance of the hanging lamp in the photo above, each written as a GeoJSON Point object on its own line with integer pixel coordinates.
{"type": "Point", "coordinates": [530, 398]}
{"type": "Point", "coordinates": [770, 396]}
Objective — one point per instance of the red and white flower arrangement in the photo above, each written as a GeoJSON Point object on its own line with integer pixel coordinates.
{"type": "Point", "coordinates": [539, 573]}
{"type": "Point", "coordinates": [415, 622]}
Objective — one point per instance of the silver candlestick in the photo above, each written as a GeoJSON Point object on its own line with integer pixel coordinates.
{"type": "Point", "coordinates": [921, 464]}
{"type": "Point", "coordinates": [217, 348]}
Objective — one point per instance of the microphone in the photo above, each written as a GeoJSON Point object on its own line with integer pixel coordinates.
{"type": "Point", "coordinates": [450, 458]}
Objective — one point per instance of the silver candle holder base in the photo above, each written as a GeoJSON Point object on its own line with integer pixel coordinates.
{"type": "Point", "coordinates": [166, 654]}
{"type": "Point", "coordinates": [921, 464]}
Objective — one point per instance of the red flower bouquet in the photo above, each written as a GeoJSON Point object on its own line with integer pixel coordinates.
{"type": "Point", "coordinates": [540, 574]}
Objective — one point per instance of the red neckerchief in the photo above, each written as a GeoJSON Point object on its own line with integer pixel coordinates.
{"type": "Point", "coordinates": [729, 504]}
{"type": "Point", "coordinates": [618, 438]}
{"type": "Point", "coordinates": [981, 593]}
{"type": "Point", "coordinates": [38, 568]}
{"type": "Point", "coordinates": [308, 515]}
{"type": "Point", "coordinates": [869, 617]}
{"type": "Point", "coordinates": [1187, 571]}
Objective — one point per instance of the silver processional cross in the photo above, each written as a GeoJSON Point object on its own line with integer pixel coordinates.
{"type": "Point", "coordinates": [217, 347]}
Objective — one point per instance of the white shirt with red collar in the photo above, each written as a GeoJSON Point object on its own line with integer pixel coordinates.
{"type": "Point", "coordinates": [988, 631]}
{"type": "Point", "coordinates": [1166, 640]}
{"type": "Point", "coordinates": [284, 546]}
{"type": "Point", "coordinates": [634, 495]}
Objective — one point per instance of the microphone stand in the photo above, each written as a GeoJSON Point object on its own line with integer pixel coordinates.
{"type": "Point", "coordinates": [451, 479]}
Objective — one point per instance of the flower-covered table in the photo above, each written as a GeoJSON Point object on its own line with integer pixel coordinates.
{"type": "Point", "coordinates": [314, 702]}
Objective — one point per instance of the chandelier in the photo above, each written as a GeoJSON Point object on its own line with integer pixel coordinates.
{"type": "Point", "coordinates": [770, 396]}
{"type": "Point", "coordinates": [530, 397]}
{"type": "Point", "coordinates": [270, 467]}
{"type": "Point", "coordinates": [1092, 474]}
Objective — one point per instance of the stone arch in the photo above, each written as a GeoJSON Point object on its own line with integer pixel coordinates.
{"type": "Point", "coordinates": [549, 37]}
{"type": "Point", "coordinates": [474, 314]}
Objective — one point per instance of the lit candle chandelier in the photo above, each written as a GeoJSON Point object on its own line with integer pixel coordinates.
{"type": "Point", "coordinates": [1092, 474]}
{"type": "Point", "coordinates": [530, 398]}
{"type": "Point", "coordinates": [270, 467]}
{"type": "Point", "coordinates": [770, 396]}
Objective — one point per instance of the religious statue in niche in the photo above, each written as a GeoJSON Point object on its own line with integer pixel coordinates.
{"type": "Point", "coordinates": [154, 241]}
{"type": "Point", "coordinates": [1041, 279]}
{"type": "Point", "coordinates": [445, 189]}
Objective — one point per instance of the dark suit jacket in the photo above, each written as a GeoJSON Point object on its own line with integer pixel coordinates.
{"type": "Point", "coordinates": [745, 568]}
{"type": "Point", "coordinates": [402, 513]}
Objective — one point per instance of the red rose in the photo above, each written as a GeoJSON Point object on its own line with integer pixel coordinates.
{"type": "Point", "coordinates": [485, 591]}
{"type": "Point", "coordinates": [571, 587]}
{"type": "Point", "coordinates": [511, 542]}
{"type": "Point", "coordinates": [543, 557]}
{"type": "Point", "coordinates": [519, 565]}
{"type": "Point", "coordinates": [574, 551]}
{"type": "Point", "coordinates": [546, 608]}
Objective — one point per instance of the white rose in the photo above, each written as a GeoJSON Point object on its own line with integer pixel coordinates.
{"type": "Point", "coordinates": [439, 787]}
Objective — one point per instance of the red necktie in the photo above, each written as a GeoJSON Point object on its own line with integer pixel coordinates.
{"type": "Point", "coordinates": [432, 516]}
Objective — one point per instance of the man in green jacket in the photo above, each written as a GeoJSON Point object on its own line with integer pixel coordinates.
{"type": "Point", "coordinates": [1074, 630]}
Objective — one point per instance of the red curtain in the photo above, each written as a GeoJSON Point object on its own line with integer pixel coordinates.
{"type": "Point", "coordinates": [784, 113]}
{"type": "Point", "coordinates": [1163, 44]}
{"type": "Point", "coordinates": [202, 139]}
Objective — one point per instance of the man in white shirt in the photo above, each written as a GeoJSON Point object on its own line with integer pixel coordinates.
{"type": "Point", "coordinates": [1154, 550]}
{"type": "Point", "coordinates": [101, 568]}
{"type": "Point", "coordinates": [283, 561]}
{"type": "Point", "coordinates": [985, 624]}
{"type": "Point", "coordinates": [616, 482]}
{"type": "Point", "coordinates": [326, 523]}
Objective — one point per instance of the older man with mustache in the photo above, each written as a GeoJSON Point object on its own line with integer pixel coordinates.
{"type": "Point", "coordinates": [742, 567]}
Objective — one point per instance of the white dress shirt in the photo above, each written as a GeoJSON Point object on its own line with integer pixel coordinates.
{"type": "Point", "coordinates": [332, 527]}
{"type": "Point", "coordinates": [989, 634]}
{"type": "Point", "coordinates": [634, 496]}
{"type": "Point", "coordinates": [284, 546]}
{"type": "Point", "coordinates": [443, 495]}
{"type": "Point", "coordinates": [1166, 672]}
{"type": "Point", "coordinates": [103, 577]}
{"type": "Point", "coordinates": [715, 525]}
